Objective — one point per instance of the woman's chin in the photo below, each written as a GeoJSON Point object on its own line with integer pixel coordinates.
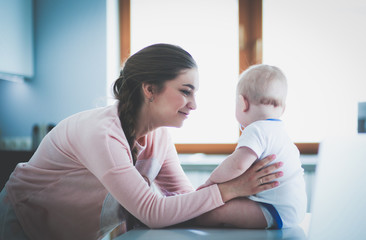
{"type": "Point", "coordinates": [177, 124]}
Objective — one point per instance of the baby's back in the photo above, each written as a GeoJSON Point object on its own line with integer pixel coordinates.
{"type": "Point", "coordinates": [289, 198]}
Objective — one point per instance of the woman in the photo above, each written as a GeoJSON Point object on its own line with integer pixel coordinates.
{"type": "Point", "coordinates": [96, 160]}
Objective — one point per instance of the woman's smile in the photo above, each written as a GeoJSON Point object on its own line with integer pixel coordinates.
{"type": "Point", "coordinates": [184, 113]}
{"type": "Point", "coordinates": [172, 106]}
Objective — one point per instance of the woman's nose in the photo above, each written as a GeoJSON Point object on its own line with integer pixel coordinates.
{"type": "Point", "coordinates": [192, 104]}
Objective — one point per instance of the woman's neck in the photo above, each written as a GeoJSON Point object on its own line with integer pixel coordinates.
{"type": "Point", "coordinates": [144, 123]}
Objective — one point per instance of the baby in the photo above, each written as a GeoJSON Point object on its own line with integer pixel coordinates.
{"type": "Point", "coordinates": [260, 102]}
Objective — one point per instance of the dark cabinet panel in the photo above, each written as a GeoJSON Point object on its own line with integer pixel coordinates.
{"type": "Point", "coordinates": [8, 161]}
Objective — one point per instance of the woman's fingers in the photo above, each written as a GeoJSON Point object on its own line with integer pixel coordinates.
{"type": "Point", "coordinates": [269, 170]}
{"type": "Point", "coordinates": [265, 161]}
{"type": "Point", "coordinates": [267, 186]}
{"type": "Point", "coordinates": [259, 177]}
{"type": "Point", "coordinates": [270, 177]}
{"type": "Point", "coordinates": [264, 175]}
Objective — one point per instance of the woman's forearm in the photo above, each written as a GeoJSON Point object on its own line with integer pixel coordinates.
{"type": "Point", "coordinates": [226, 191]}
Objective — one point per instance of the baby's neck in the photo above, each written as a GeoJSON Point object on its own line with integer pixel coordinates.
{"type": "Point", "coordinates": [263, 112]}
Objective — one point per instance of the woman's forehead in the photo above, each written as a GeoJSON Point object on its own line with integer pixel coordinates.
{"type": "Point", "coordinates": [188, 78]}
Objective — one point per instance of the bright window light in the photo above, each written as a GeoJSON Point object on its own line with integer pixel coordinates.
{"type": "Point", "coordinates": [320, 45]}
{"type": "Point", "coordinates": [113, 57]}
{"type": "Point", "coordinates": [209, 31]}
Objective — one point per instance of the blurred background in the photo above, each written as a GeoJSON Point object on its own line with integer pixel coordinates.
{"type": "Point", "coordinates": [60, 57]}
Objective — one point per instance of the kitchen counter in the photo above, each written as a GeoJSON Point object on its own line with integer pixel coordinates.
{"type": "Point", "coordinates": [207, 162]}
{"type": "Point", "coordinates": [297, 233]}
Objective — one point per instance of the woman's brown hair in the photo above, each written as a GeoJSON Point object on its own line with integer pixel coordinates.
{"type": "Point", "coordinates": [155, 65]}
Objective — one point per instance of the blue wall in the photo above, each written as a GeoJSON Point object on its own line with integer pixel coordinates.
{"type": "Point", "coordinates": [70, 67]}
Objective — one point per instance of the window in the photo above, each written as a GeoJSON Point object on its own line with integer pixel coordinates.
{"type": "Point", "coordinates": [320, 45]}
{"type": "Point", "coordinates": [209, 31]}
{"type": "Point", "coordinates": [243, 40]}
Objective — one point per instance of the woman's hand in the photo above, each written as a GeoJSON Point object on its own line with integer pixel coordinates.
{"type": "Point", "coordinates": [257, 178]}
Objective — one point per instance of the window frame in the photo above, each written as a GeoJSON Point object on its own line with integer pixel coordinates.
{"type": "Point", "coordinates": [250, 52]}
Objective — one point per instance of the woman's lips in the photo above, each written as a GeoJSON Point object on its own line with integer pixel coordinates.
{"type": "Point", "coordinates": [185, 114]}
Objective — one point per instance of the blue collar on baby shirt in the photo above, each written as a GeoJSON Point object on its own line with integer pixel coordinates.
{"type": "Point", "coordinates": [273, 119]}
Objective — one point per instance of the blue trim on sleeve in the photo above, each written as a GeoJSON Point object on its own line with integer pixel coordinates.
{"type": "Point", "coordinates": [276, 216]}
{"type": "Point", "coordinates": [273, 119]}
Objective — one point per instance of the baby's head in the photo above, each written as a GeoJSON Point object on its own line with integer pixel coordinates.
{"type": "Point", "coordinates": [261, 93]}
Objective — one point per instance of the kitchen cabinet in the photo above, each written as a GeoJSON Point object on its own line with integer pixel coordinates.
{"type": "Point", "coordinates": [16, 41]}
{"type": "Point", "coordinates": [8, 161]}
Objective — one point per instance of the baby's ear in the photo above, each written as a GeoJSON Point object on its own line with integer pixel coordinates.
{"type": "Point", "coordinates": [244, 103]}
{"type": "Point", "coordinates": [283, 108]}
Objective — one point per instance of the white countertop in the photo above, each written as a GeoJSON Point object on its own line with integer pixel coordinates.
{"type": "Point", "coordinates": [299, 233]}
{"type": "Point", "coordinates": [200, 161]}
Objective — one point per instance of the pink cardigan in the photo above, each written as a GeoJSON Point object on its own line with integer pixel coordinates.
{"type": "Point", "coordinates": [59, 193]}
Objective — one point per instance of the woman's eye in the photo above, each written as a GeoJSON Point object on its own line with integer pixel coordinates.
{"type": "Point", "coordinates": [186, 92]}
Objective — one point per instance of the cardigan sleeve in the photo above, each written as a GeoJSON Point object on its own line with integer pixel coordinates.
{"type": "Point", "coordinates": [171, 179]}
{"type": "Point", "coordinates": [129, 188]}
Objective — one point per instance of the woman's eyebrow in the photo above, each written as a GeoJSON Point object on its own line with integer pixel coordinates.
{"type": "Point", "coordinates": [189, 85]}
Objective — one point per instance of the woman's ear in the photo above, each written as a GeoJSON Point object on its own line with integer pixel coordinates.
{"type": "Point", "coordinates": [148, 90]}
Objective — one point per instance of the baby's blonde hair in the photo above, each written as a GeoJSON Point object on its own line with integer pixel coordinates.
{"type": "Point", "coordinates": [263, 84]}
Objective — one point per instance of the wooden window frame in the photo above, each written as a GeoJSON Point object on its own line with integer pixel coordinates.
{"type": "Point", "coordinates": [250, 52]}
